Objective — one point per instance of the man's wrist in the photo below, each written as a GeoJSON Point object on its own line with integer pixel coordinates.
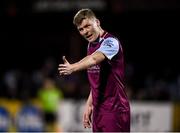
{"type": "Point", "coordinates": [74, 67]}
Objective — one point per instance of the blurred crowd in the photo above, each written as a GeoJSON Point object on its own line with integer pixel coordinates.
{"type": "Point", "coordinates": [17, 84]}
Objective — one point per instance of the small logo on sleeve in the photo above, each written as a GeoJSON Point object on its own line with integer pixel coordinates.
{"type": "Point", "coordinates": [108, 43]}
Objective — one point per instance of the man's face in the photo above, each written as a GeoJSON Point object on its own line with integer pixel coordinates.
{"type": "Point", "coordinates": [89, 29]}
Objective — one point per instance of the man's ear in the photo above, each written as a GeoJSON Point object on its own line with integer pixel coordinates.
{"type": "Point", "coordinates": [98, 22]}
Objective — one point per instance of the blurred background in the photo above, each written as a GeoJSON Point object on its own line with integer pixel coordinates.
{"type": "Point", "coordinates": [34, 36]}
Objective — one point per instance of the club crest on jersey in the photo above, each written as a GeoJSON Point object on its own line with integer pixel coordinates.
{"type": "Point", "coordinates": [108, 43]}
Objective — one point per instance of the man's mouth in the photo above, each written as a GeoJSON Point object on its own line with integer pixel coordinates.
{"type": "Point", "coordinates": [88, 36]}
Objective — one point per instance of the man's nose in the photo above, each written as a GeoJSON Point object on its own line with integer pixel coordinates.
{"type": "Point", "coordinates": [85, 31]}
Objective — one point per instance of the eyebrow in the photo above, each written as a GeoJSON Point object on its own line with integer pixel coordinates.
{"type": "Point", "coordinates": [86, 25]}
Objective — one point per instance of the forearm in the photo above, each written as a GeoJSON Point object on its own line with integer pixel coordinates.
{"type": "Point", "coordinates": [88, 61]}
{"type": "Point", "coordinates": [89, 100]}
{"type": "Point", "coordinates": [85, 63]}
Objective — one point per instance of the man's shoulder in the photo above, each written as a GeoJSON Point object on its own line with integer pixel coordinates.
{"type": "Point", "coordinates": [111, 36]}
{"type": "Point", "coordinates": [110, 40]}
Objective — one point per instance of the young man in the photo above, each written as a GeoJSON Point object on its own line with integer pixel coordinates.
{"type": "Point", "coordinates": [104, 62]}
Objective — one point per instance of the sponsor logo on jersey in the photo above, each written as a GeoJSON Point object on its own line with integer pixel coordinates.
{"type": "Point", "coordinates": [94, 69]}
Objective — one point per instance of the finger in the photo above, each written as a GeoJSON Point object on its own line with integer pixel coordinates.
{"type": "Point", "coordinates": [84, 124]}
{"type": "Point", "coordinates": [62, 65]}
{"type": "Point", "coordinates": [85, 121]}
{"type": "Point", "coordinates": [62, 72]}
{"type": "Point", "coordinates": [87, 125]}
{"type": "Point", "coordinates": [65, 60]}
{"type": "Point", "coordinates": [86, 118]}
{"type": "Point", "coordinates": [62, 68]}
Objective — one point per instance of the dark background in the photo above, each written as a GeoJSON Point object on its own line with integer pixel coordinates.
{"type": "Point", "coordinates": [149, 32]}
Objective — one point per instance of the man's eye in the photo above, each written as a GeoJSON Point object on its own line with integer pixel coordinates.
{"type": "Point", "coordinates": [80, 29]}
{"type": "Point", "coordinates": [87, 26]}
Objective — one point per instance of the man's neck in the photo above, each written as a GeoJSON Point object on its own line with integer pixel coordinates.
{"type": "Point", "coordinates": [101, 32]}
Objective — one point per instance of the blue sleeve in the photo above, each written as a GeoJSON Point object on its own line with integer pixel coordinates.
{"type": "Point", "coordinates": [109, 47]}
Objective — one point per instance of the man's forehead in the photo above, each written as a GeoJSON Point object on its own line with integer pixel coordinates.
{"type": "Point", "coordinates": [85, 22]}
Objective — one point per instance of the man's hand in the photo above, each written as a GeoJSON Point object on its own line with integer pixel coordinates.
{"type": "Point", "coordinates": [66, 68]}
{"type": "Point", "coordinates": [87, 117]}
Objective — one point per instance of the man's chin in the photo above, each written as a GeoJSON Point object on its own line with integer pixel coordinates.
{"type": "Point", "coordinates": [91, 40]}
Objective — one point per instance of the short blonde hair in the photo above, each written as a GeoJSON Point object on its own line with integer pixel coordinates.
{"type": "Point", "coordinates": [83, 14]}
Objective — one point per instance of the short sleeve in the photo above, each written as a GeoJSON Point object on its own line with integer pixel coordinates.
{"type": "Point", "coordinates": [109, 47]}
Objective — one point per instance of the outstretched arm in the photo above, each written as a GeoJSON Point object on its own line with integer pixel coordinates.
{"type": "Point", "coordinates": [86, 62]}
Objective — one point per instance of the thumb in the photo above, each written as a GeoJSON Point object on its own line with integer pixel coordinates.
{"type": "Point", "coordinates": [64, 59]}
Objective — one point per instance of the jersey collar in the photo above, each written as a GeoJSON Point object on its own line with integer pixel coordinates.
{"type": "Point", "coordinates": [100, 38]}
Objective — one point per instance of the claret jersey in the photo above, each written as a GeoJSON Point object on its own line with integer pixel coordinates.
{"type": "Point", "coordinates": [107, 78]}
